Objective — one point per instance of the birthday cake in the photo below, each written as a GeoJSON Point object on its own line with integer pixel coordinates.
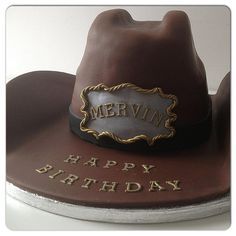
{"type": "Point", "coordinates": [142, 130]}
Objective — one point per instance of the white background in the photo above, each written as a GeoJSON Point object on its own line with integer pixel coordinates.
{"type": "Point", "coordinates": [54, 38]}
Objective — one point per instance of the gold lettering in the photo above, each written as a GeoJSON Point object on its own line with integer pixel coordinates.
{"type": "Point", "coordinates": [147, 168]}
{"type": "Point", "coordinates": [91, 162]}
{"type": "Point", "coordinates": [108, 186]}
{"type": "Point", "coordinates": [145, 113]}
{"type": "Point", "coordinates": [159, 117]}
{"type": "Point", "coordinates": [155, 185]}
{"type": "Point", "coordinates": [122, 109]}
{"type": "Point", "coordinates": [56, 174]}
{"type": "Point", "coordinates": [108, 108]}
{"type": "Point", "coordinates": [174, 184]}
{"type": "Point", "coordinates": [133, 187]}
{"type": "Point", "coordinates": [96, 112]}
{"type": "Point", "coordinates": [128, 166]}
{"type": "Point", "coordinates": [72, 159]}
{"type": "Point", "coordinates": [109, 164]}
{"type": "Point", "coordinates": [70, 179]}
{"type": "Point", "coordinates": [44, 169]}
{"type": "Point", "coordinates": [136, 110]}
{"type": "Point", "coordinates": [88, 182]}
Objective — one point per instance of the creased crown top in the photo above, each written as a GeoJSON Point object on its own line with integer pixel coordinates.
{"type": "Point", "coordinates": [148, 54]}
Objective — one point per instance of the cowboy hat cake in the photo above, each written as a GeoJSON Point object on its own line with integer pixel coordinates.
{"type": "Point", "coordinates": [133, 137]}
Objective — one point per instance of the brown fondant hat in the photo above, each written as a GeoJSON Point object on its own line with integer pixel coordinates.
{"type": "Point", "coordinates": [144, 133]}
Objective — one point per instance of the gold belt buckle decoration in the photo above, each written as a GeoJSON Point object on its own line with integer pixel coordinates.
{"type": "Point", "coordinates": [127, 113]}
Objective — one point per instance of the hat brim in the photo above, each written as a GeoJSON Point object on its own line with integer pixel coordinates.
{"type": "Point", "coordinates": [38, 134]}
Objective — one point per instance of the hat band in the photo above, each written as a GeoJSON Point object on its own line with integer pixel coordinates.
{"type": "Point", "coordinates": [186, 136]}
{"type": "Point", "coordinates": [126, 114]}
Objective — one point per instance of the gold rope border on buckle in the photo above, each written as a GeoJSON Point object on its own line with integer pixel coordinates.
{"type": "Point", "coordinates": [150, 141]}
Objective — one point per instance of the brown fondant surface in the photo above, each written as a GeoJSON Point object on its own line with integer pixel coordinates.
{"type": "Point", "coordinates": [38, 134]}
{"type": "Point", "coordinates": [148, 54]}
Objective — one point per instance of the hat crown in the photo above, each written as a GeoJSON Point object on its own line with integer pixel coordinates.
{"type": "Point", "coordinates": [148, 54]}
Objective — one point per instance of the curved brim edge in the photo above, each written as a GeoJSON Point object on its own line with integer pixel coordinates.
{"type": "Point", "coordinates": [114, 215]}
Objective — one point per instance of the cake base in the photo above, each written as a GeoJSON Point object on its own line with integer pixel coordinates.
{"type": "Point", "coordinates": [148, 215]}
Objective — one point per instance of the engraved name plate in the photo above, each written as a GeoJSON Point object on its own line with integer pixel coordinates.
{"type": "Point", "coordinates": [128, 113]}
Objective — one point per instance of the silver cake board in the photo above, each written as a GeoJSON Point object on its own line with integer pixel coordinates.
{"type": "Point", "coordinates": [113, 215]}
